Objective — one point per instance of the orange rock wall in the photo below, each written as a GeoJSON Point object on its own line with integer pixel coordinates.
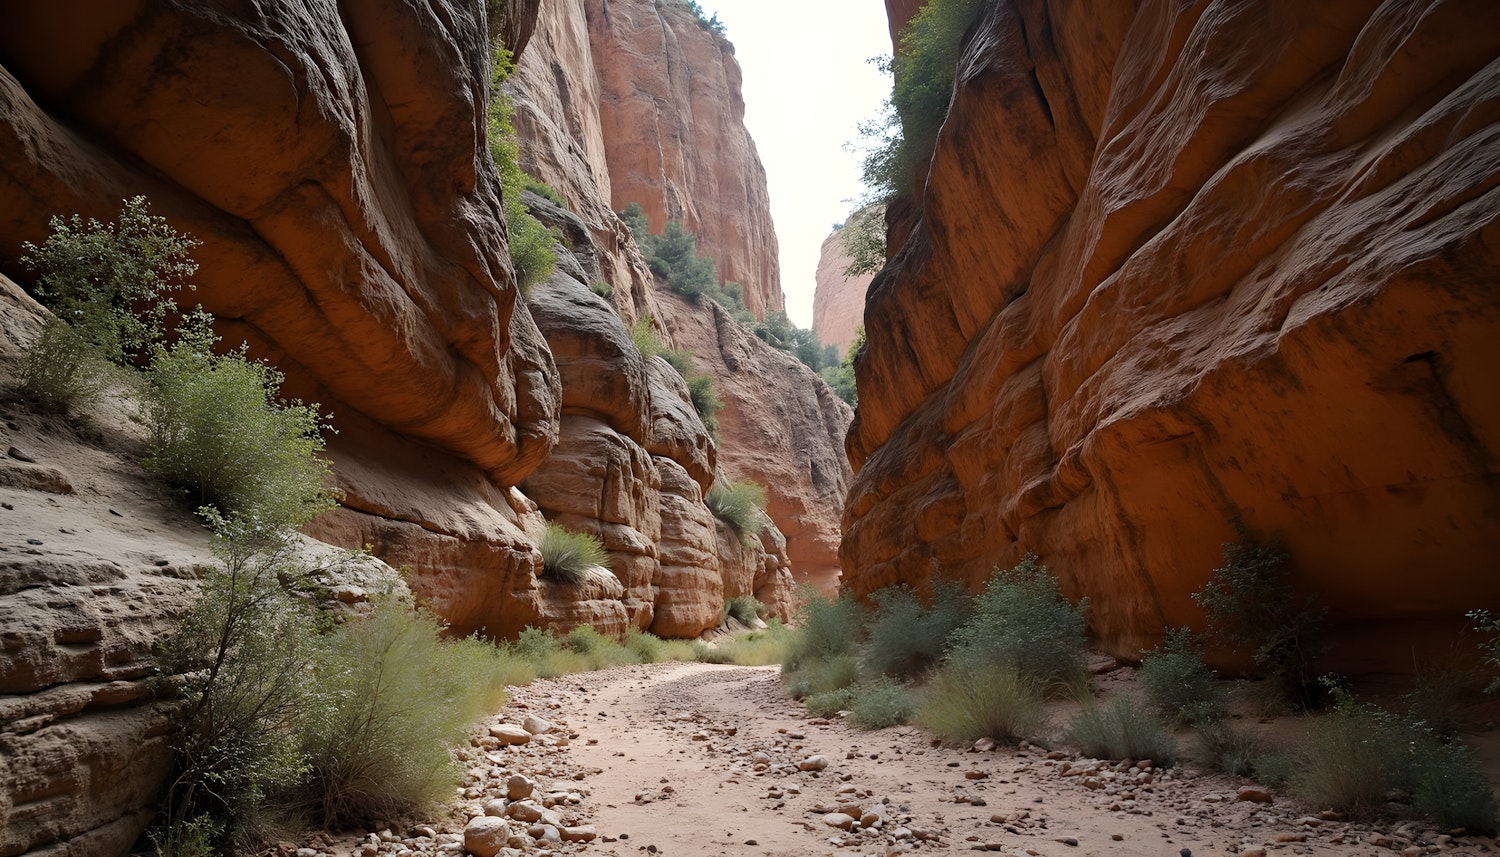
{"type": "Point", "coordinates": [1181, 263]}
{"type": "Point", "coordinates": [673, 117]}
{"type": "Point", "coordinates": [838, 299]}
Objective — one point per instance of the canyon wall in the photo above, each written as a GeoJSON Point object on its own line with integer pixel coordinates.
{"type": "Point", "coordinates": [1177, 265]}
{"type": "Point", "coordinates": [674, 132]}
{"type": "Point", "coordinates": [781, 426]}
{"type": "Point", "coordinates": [838, 299]}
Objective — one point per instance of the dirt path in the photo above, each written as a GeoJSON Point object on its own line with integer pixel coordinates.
{"type": "Point", "coordinates": [697, 759]}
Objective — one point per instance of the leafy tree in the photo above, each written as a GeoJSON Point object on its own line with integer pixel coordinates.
{"type": "Point", "coordinates": [863, 237]}
{"type": "Point", "coordinates": [110, 281]}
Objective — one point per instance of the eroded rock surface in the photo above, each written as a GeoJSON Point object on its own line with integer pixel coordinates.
{"type": "Point", "coordinates": [839, 299]}
{"type": "Point", "coordinates": [1181, 264]}
{"type": "Point", "coordinates": [666, 78]}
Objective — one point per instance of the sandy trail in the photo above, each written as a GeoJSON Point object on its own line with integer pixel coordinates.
{"type": "Point", "coordinates": [663, 761]}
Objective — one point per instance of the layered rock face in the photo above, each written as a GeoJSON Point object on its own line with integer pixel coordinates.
{"type": "Point", "coordinates": [781, 426]}
{"type": "Point", "coordinates": [329, 160]}
{"type": "Point", "coordinates": [838, 299]}
{"type": "Point", "coordinates": [1182, 264]}
{"type": "Point", "coordinates": [675, 138]}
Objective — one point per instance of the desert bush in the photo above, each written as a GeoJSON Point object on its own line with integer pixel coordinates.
{"type": "Point", "coordinates": [1178, 682]}
{"type": "Point", "coordinates": [1361, 754]}
{"type": "Point", "coordinates": [545, 191]}
{"type": "Point", "coordinates": [645, 647]}
{"type": "Point", "coordinates": [756, 648]}
{"type": "Point", "coordinates": [531, 243]}
{"type": "Point", "coordinates": [1488, 626]}
{"type": "Point", "coordinates": [825, 628]}
{"type": "Point", "coordinates": [1251, 604]}
{"type": "Point", "coordinates": [704, 397]}
{"type": "Point", "coordinates": [597, 650]}
{"type": "Point", "coordinates": [398, 696]}
{"type": "Point", "coordinates": [831, 702]}
{"type": "Point", "coordinates": [111, 281]}
{"type": "Point", "coordinates": [881, 703]}
{"type": "Point", "coordinates": [904, 640]}
{"type": "Point", "coordinates": [743, 608]}
{"type": "Point", "coordinates": [534, 644]}
{"type": "Point", "coordinates": [741, 505]}
{"type": "Point", "coordinates": [863, 239]}
{"type": "Point", "coordinates": [602, 289]}
{"type": "Point", "coordinates": [1225, 747]}
{"type": "Point", "coordinates": [220, 438]}
{"type": "Point", "coordinates": [823, 675]}
{"type": "Point", "coordinates": [244, 648]}
{"type": "Point", "coordinates": [1121, 730]}
{"type": "Point", "coordinates": [1022, 620]}
{"type": "Point", "coordinates": [567, 555]}
{"type": "Point", "coordinates": [977, 700]}
{"type": "Point", "coordinates": [62, 371]}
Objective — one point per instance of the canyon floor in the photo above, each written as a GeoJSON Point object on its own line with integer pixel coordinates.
{"type": "Point", "coordinates": [665, 759]}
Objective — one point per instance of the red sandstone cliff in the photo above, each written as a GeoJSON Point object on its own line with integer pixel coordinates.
{"type": "Point", "coordinates": [1181, 263]}
{"type": "Point", "coordinates": [675, 138]}
{"type": "Point", "coordinates": [838, 299]}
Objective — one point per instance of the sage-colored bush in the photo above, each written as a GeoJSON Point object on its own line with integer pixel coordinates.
{"type": "Point", "coordinates": [741, 505]}
{"type": "Point", "coordinates": [567, 555]}
{"type": "Point", "coordinates": [1122, 729]}
{"type": "Point", "coordinates": [1022, 621]}
{"type": "Point", "coordinates": [1178, 682]}
{"type": "Point", "coordinates": [971, 701]}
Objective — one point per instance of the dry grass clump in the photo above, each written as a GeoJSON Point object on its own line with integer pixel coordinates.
{"type": "Point", "coordinates": [567, 555]}
{"type": "Point", "coordinates": [1121, 730]}
{"type": "Point", "coordinates": [973, 701]}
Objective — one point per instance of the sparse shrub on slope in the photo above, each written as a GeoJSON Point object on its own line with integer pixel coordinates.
{"type": "Point", "coordinates": [741, 505]}
{"type": "Point", "coordinates": [531, 243]}
{"type": "Point", "coordinates": [567, 555]}
{"type": "Point", "coordinates": [743, 608]}
{"type": "Point", "coordinates": [1022, 621]}
{"type": "Point", "coordinates": [221, 439]}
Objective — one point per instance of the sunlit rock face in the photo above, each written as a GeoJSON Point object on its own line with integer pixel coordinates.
{"type": "Point", "coordinates": [330, 161]}
{"type": "Point", "coordinates": [1180, 264]}
{"type": "Point", "coordinates": [673, 123]}
{"type": "Point", "coordinates": [839, 299]}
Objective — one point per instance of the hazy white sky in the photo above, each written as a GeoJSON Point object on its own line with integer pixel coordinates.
{"type": "Point", "coordinates": [807, 87]}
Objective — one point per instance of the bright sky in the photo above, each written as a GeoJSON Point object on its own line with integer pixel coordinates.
{"type": "Point", "coordinates": [807, 88]}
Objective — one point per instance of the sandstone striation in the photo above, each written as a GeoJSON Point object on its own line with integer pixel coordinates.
{"type": "Point", "coordinates": [1178, 265]}
{"type": "Point", "coordinates": [781, 426]}
{"type": "Point", "coordinates": [839, 299]}
{"type": "Point", "coordinates": [667, 79]}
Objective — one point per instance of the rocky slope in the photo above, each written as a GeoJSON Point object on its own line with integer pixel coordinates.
{"type": "Point", "coordinates": [838, 299]}
{"type": "Point", "coordinates": [1177, 265]}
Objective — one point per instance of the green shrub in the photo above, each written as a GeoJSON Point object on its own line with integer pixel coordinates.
{"type": "Point", "coordinates": [1021, 620]}
{"type": "Point", "coordinates": [398, 696]}
{"type": "Point", "coordinates": [881, 703]}
{"type": "Point", "coordinates": [743, 608]}
{"type": "Point", "coordinates": [904, 640]}
{"type": "Point", "coordinates": [111, 281]}
{"type": "Point", "coordinates": [759, 648]}
{"type": "Point", "coordinates": [1178, 682]}
{"type": "Point", "coordinates": [646, 648]}
{"type": "Point", "coordinates": [194, 837]}
{"type": "Point", "coordinates": [705, 399]}
{"type": "Point", "coordinates": [1121, 730]}
{"type": "Point", "coordinates": [1251, 604]}
{"type": "Point", "coordinates": [972, 701]}
{"type": "Point", "coordinates": [822, 675]}
{"type": "Point", "coordinates": [863, 240]}
{"type": "Point", "coordinates": [924, 67]}
{"type": "Point", "coordinates": [602, 289]}
{"type": "Point", "coordinates": [534, 644]}
{"type": "Point", "coordinates": [1488, 626]}
{"type": "Point", "coordinates": [244, 648]}
{"type": "Point", "coordinates": [567, 555]}
{"type": "Point", "coordinates": [1360, 754]}
{"type": "Point", "coordinates": [825, 628]}
{"type": "Point", "coordinates": [586, 641]}
{"type": "Point", "coordinates": [1225, 747]}
{"type": "Point", "coordinates": [532, 250]}
{"type": "Point", "coordinates": [62, 372]}
{"type": "Point", "coordinates": [830, 702]}
{"type": "Point", "coordinates": [219, 437]}
{"type": "Point", "coordinates": [545, 191]}
{"type": "Point", "coordinates": [741, 505]}
{"type": "Point", "coordinates": [531, 243]}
